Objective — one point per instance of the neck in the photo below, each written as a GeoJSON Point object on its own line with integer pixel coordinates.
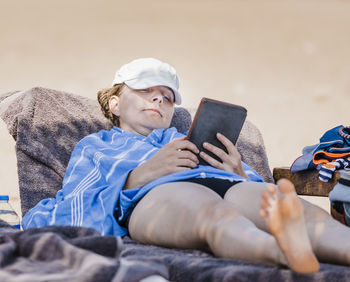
{"type": "Point", "coordinates": [137, 130]}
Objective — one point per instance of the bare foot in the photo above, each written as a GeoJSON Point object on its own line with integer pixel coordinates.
{"type": "Point", "coordinates": [284, 215]}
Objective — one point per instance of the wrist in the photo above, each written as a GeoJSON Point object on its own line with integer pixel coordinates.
{"type": "Point", "coordinates": [137, 177]}
{"type": "Point", "coordinates": [244, 174]}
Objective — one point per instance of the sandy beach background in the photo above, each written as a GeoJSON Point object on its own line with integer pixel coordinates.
{"type": "Point", "coordinates": [287, 62]}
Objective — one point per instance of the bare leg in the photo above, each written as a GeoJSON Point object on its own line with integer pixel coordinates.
{"type": "Point", "coordinates": [188, 215]}
{"type": "Point", "coordinates": [329, 238]}
{"type": "Point", "coordinates": [284, 216]}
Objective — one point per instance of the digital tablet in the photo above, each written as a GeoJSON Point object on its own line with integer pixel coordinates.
{"type": "Point", "coordinates": [215, 116]}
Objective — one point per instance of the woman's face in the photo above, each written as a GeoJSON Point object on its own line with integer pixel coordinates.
{"type": "Point", "coordinates": [141, 111]}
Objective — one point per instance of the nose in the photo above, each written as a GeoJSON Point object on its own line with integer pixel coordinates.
{"type": "Point", "coordinates": [157, 97]}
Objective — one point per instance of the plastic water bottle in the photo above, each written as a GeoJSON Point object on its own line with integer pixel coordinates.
{"type": "Point", "coordinates": [7, 213]}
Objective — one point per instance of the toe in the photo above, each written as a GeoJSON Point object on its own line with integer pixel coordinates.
{"type": "Point", "coordinates": [271, 188]}
{"type": "Point", "coordinates": [265, 198]}
{"type": "Point", "coordinates": [285, 186]}
{"type": "Point", "coordinates": [263, 214]}
{"type": "Point", "coordinates": [264, 205]}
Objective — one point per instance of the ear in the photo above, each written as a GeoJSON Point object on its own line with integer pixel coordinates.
{"type": "Point", "coordinates": [114, 105]}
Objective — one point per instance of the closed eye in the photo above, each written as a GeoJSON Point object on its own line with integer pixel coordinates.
{"type": "Point", "coordinates": [143, 90]}
{"type": "Point", "coordinates": [168, 96]}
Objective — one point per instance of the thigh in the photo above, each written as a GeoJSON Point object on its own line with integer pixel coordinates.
{"type": "Point", "coordinates": [189, 215]}
{"type": "Point", "coordinates": [171, 215]}
{"type": "Point", "coordinates": [246, 199]}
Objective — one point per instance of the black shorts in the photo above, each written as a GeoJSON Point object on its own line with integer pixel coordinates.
{"type": "Point", "coordinates": [218, 185]}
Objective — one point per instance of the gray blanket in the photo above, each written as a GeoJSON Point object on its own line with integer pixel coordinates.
{"type": "Point", "coordinates": [46, 125]}
{"type": "Point", "coordinates": [192, 265]}
{"type": "Point", "coordinates": [64, 253]}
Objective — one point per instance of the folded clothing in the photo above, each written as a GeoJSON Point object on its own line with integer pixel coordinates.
{"type": "Point", "coordinates": [327, 169]}
{"type": "Point", "coordinates": [333, 152]}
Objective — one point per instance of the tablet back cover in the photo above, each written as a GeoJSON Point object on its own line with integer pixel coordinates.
{"type": "Point", "coordinates": [214, 116]}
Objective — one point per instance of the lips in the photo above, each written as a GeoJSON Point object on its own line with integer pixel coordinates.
{"type": "Point", "coordinates": [154, 110]}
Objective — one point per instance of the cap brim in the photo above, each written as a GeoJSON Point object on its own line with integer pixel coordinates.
{"type": "Point", "coordinates": [143, 84]}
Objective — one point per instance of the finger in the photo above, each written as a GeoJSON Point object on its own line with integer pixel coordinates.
{"type": "Point", "coordinates": [213, 162]}
{"type": "Point", "coordinates": [231, 149]}
{"type": "Point", "coordinates": [181, 168]}
{"type": "Point", "coordinates": [178, 169]}
{"type": "Point", "coordinates": [187, 145]}
{"type": "Point", "coordinates": [188, 155]}
{"type": "Point", "coordinates": [176, 141]}
{"type": "Point", "coordinates": [186, 163]}
{"type": "Point", "coordinates": [179, 138]}
{"type": "Point", "coordinates": [223, 156]}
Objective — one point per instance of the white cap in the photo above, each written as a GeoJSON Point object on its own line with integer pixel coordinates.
{"type": "Point", "coordinates": [148, 72]}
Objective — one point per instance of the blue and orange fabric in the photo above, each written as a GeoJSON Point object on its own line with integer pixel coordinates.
{"type": "Point", "coordinates": [333, 152]}
{"type": "Point", "coordinates": [326, 170]}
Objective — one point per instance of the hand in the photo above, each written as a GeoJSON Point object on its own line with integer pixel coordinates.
{"type": "Point", "coordinates": [178, 155]}
{"type": "Point", "coordinates": [231, 161]}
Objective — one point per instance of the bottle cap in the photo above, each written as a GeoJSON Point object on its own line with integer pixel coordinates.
{"type": "Point", "coordinates": [4, 197]}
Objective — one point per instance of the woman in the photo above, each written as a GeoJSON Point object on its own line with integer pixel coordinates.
{"type": "Point", "coordinates": [142, 178]}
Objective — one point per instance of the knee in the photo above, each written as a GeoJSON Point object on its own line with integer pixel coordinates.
{"type": "Point", "coordinates": [245, 190]}
{"type": "Point", "coordinates": [214, 219]}
{"type": "Point", "coordinates": [313, 212]}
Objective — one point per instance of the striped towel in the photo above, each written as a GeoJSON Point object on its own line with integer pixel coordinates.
{"type": "Point", "coordinates": [326, 170]}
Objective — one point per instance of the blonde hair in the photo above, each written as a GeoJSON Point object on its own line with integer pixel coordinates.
{"type": "Point", "coordinates": [103, 97]}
